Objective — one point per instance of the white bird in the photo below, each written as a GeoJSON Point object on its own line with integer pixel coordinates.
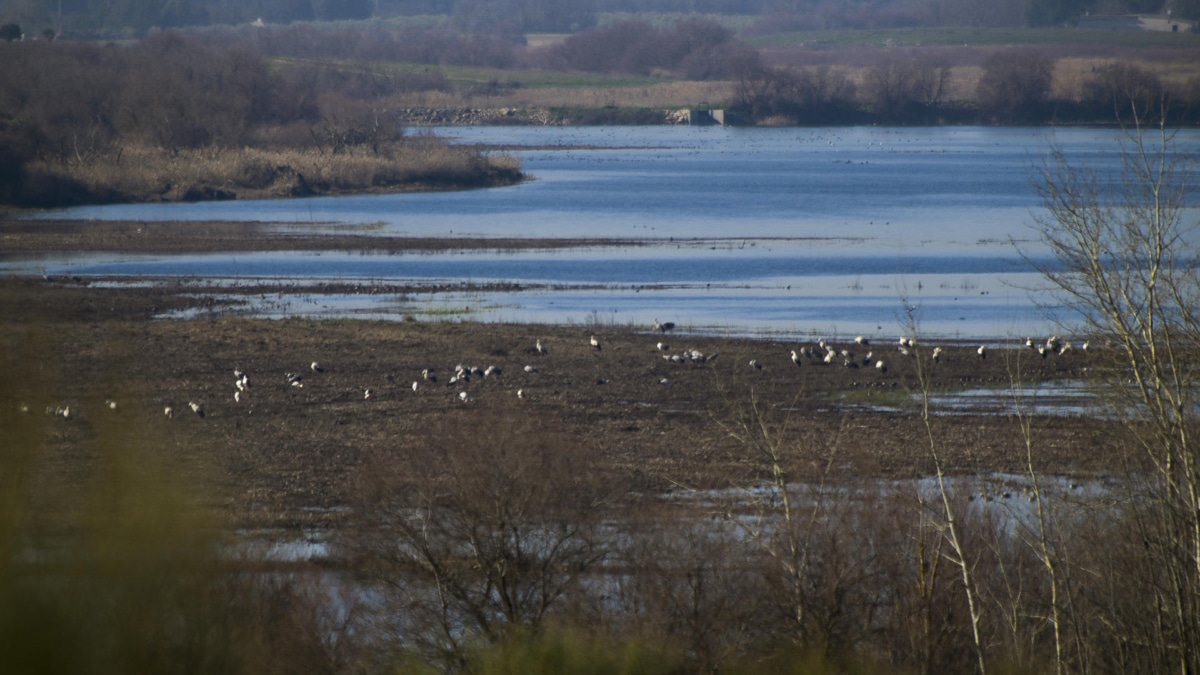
{"type": "Point", "coordinates": [491, 370]}
{"type": "Point", "coordinates": [464, 396]}
{"type": "Point", "coordinates": [755, 364]}
{"type": "Point", "coordinates": [65, 412]}
{"type": "Point", "coordinates": [795, 358]}
{"type": "Point", "coordinates": [595, 343]}
{"type": "Point", "coordinates": [982, 351]}
{"type": "Point", "coordinates": [663, 327]}
{"type": "Point", "coordinates": [530, 369]}
{"type": "Point", "coordinates": [197, 408]}
{"type": "Point", "coordinates": [662, 346]}
{"type": "Point", "coordinates": [112, 405]}
{"type": "Point", "coordinates": [665, 382]}
{"type": "Point", "coordinates": [416, 385]}
{"type": "Point", "coordinates": [541, 348]}
{"type": "Point", "coordinates": [1085, 345]}
{"type": "Point", "coordinates": [367, 394]}
{"type": "Point", "coordinates": [238, 373]}
{"type": "Point", "coordinates": [427, 374]}
{"type": "Point", "coordinates": [316, 367]}
{"type": "Point", "coordinates": [169, 412]}
{"type": "Point", "coordinates": [881, 366]}
{"type": "Point", "coordinates": [520, 393]}
{"type": "Point", "coordinates": [237, 397]}
{"type": "Point", "coordinates": [937, 354]}
{"type": "Point", "coordinates": [861, 340]}
{"type": "Point", "coordinates": [241, 386]}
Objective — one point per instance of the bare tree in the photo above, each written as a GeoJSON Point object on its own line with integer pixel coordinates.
{"type": "Point", "coordinates": [946, 511]}
{"type": "Point", "coordinates": [483, 532]}
{"type": "Point", "coordinates": [1127, 258]}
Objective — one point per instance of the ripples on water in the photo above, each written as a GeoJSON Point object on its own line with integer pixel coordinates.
{"type": "Point", "coordinates": [805, 231]}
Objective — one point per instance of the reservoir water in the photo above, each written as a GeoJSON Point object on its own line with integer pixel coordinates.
{"type": "Point", "coordinates": [747, 231]}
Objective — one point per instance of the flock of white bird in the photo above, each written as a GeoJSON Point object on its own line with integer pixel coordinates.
{"type": "Point", "coordinates": [822, 353]}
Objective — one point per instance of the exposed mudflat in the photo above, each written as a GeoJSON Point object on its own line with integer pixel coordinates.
{"type": "Point", "coordinates": [291, 456]}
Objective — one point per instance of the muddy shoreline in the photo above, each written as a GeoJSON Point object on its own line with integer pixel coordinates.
{"type": "Point", "coordinates": [50, 236]}
{"type": "Point", "coordinates": [287, 457]}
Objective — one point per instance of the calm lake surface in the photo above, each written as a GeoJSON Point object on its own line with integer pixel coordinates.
{"type": "Point", "coordinates": [748, 231]}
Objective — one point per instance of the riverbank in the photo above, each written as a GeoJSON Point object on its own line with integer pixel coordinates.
{"type": "Point", "coordinates": [282, 455]}
{"type": "Point", "coordinates": [138, 174]}
{"type": "Point", "coordinates": [50, 236]}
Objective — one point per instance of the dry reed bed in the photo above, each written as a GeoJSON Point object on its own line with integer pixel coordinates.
{"type": "Point", "coordinates": [147, 173]}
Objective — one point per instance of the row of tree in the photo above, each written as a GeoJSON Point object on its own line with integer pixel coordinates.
{"type": "Point", "coordinates": [68, 102]}
{"type": "Point", "coordinates": [1014, 88]}
{"type": "Point", "coordinates": [108, 17]}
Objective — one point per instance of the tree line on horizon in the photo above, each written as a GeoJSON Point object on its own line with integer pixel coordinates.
{"type": "Point", "coordinates": [113, 18]}
{"type": "Point", "coordinates": [72, 104]}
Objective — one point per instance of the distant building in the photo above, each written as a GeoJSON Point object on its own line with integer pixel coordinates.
{"type": "Point", "coordinates": [1164, 24]}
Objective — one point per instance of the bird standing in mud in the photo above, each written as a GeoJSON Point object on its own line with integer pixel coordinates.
{"type": "Point", "coordinates": [595, 343]}
{"type": "Point", "coordinates": [197, 408]}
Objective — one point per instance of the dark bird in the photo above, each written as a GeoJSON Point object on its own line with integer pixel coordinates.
{"type": "Point", "coordinates": [197, 408]}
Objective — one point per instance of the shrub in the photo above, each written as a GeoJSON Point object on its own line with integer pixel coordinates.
{"type": "Point", "coordinates": [1014, 85]}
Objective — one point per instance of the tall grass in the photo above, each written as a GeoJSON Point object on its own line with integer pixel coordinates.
{"type": "Point", "coordinates": [148, 173]}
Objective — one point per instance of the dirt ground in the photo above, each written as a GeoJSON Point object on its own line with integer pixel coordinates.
{"type": "Point", "coordinates": [290, 456]}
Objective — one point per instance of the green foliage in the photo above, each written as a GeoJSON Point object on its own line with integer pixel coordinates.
{"type": "Point", "coordinates": [110, 573]}
{"type": "Point", "coordinates": [566, 653]}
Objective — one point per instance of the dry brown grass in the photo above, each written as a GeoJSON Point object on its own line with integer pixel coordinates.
{"type": "Point", "coordinates": [664, 95]}
{"type": "Point", "coordinates": [147, 173]}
